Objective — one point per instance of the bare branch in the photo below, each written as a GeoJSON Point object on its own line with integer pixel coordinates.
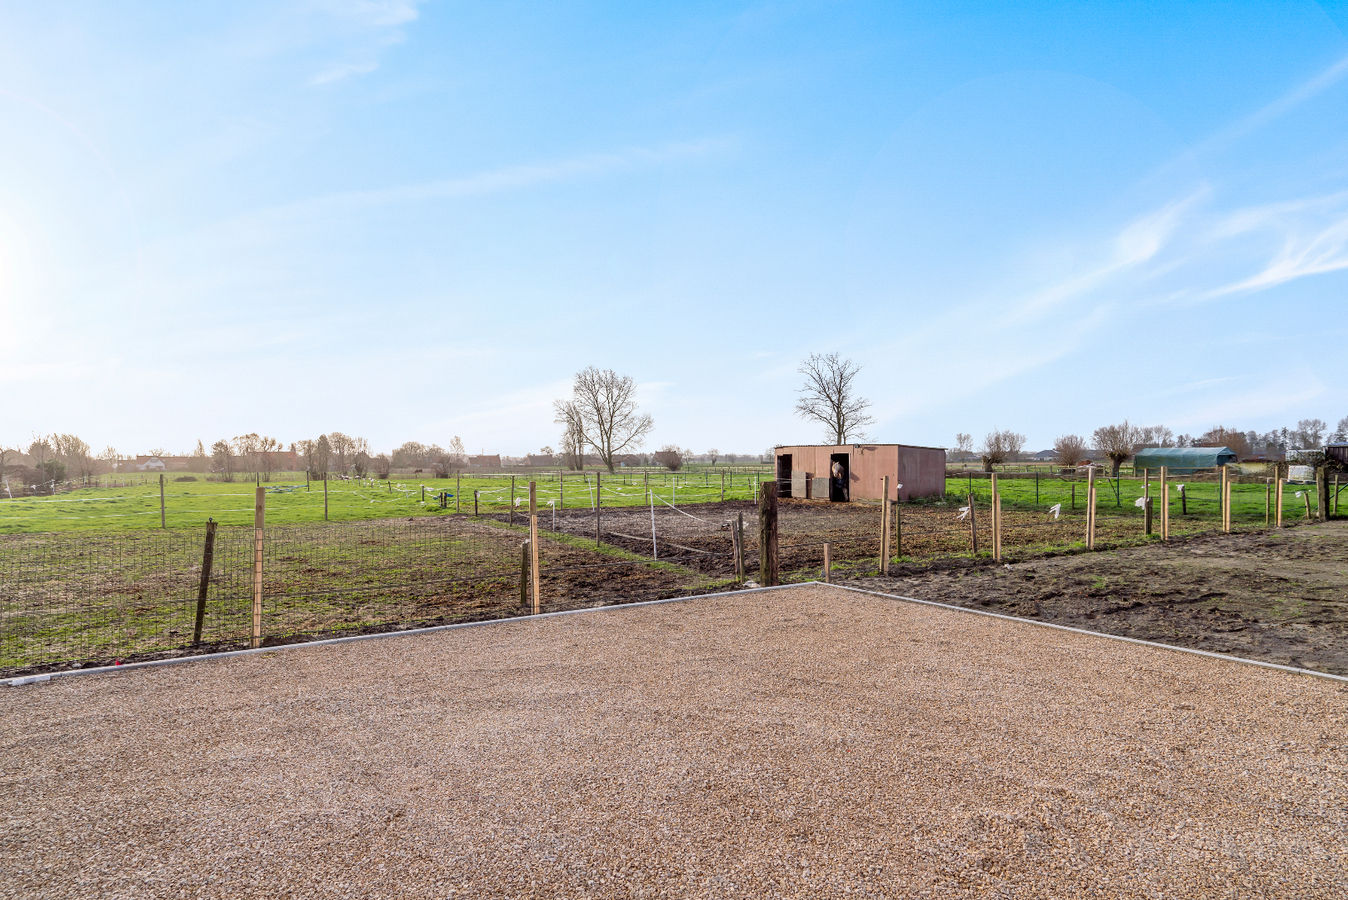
{"type": "Point", "coordinates": [829, 397]}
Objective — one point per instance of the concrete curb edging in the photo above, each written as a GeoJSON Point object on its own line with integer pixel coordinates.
{"type": "Point", "coordinates": [229, 654]}
{"type": "Point", "coordinates": [206, 657]}
{"type": "Point", "coordinates": [1099, 634]}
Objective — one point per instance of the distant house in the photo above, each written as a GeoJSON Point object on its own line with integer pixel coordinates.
{"type": "Point", "coordinates": [539, 459]}
{"type": "Point", "coordinates": [150, 464]}
{"type": "Point", "coordinates": [485, 462]}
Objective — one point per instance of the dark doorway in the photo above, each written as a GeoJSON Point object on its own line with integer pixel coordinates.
{"type": "Point", "coordinates": [839, 482]}
{"type": "Point", "coordinates": [784, 475]}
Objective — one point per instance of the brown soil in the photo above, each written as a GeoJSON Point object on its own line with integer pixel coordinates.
{"type": "Point", "coordinates": [1279, 597]}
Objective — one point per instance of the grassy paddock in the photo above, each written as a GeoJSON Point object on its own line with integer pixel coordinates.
{"type": "Point", "coordinates": [188, 504]}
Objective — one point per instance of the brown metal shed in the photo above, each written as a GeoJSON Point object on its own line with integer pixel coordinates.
{"type": "Point", "coordinates": [803, 471]}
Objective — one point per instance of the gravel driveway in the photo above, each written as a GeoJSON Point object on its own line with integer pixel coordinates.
{"type": "Point", "coordinates": [806, 742]}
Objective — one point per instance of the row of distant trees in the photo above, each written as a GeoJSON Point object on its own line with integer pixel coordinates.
{"type": "Point", "coordinates": [53, 459]}
{"type": "Point", "coordinates": [1119, 443]}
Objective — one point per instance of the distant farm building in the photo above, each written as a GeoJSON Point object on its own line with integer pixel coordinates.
{"type": "Point", "coordinates": [485, 462]}
{"type": "Point", "coordinates": [1182, 460]}
{"type": "Point", "coordinates": [805, 471]}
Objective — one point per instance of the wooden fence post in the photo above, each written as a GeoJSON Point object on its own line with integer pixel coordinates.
{"type": "Point", "coordinates": [1165, 503]}
{"type": "Point", "coordinates": [996, 520]}
{"type": "Point", "coordinates": [739, 549]}
{"type": "Point", "coordinates": [458, 478]}
{"type": "Point", "coordinates": [512, 499]}
{"type": "Point", "coordinates": [533, 547]}
{"type": "Point", "coordinates": [475, 494]}
{"type": "Point", "coordinates": [259, 523]}
{"type": "Point", "coordinates": [767, 534]}
{"type": "Point", "coordinates": [898, 530]}
{"type": "Point", "coordinates": [1321, 494]}
{"type": "Point", "coordinates": [598, 482]}
{"type": "Point", "coordinates": [207, 559]}
{"type": "Point", "coordinates": [973, 526]}
{"type": "Point", "coordinates": [325, 496]}
{"type": "Point", "coordinates": [884, 526]}
{"type": "Point", "coordinates": [1090, 508]}
{"type": "Point", "coordinates": [828, 563]}
{"type": "Point", "coordinates": [1277, 503]}
{"type": "Point", "coordinates": [1146, 514]}
{"type": "Point", "coordinates": [524, 573]}
{"type": "Point", "coordinates": [163, 522]}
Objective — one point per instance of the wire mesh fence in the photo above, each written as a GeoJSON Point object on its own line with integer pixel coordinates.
{"type": "Point", "coordinates": [92, 598]}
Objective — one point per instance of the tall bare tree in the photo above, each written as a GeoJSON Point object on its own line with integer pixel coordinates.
{"type": "Point", "coordinates": [603, 412]}
{"type": "Point", "coordinates": [1118, 442]}
{"type": "Point", "coordinates": [829, 397]}
{"type": "Point", "coordinates": [1069, 450]}
{"type": "Point", "coordinates": [268, 449]}
{"type": "Point", "coordinates": [964, 445]}
{"type": "Point", "coordinates": [1340, 431]}
{"type": "Point", "coordinates": [458, 457]}
{"type": "Point", "coordinates": [343, 448]}
{"type": "Point", "coordinates": [1000, 446]}
{"type": "Point", "coordinates": [222, 459]}
{"type": "Point", "coordinates": [1232, 438]}
{"type": "Point", "coordinates": [1311, 432]}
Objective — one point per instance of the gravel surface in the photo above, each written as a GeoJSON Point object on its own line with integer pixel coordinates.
{"type": "Point", "coordinates": [808, 742]}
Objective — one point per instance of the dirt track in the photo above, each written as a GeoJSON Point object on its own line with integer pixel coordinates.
{"type": "Point", "coordinates": [1280, 596]}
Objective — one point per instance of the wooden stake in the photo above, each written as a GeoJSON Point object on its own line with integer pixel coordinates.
{"type": "Point", "coordinates": [767, 534]}
{"type": "Point", "coordinates": [828, 563]}
{"type": "Point", "coordinates": [1277, 503]}
{"type": "Point", "coordinates": [457, 478]}
{"type": "Point", "coordinates": [533, 547]}
{"type": "Point", "coordinates": [884, 526]}
{"type": "Point", "coordinates": [524, 573]}
{"type": "Point", "coordinates": [1146, 514]}
{"type": "Point", "coordinates": [1090, 508]}
{"type": "Point", "coordinates": [1321, 494]}
{"type": "Point", "coordinates": [973, 527]}
{"type": "Point", "coordinates": [162, 521]}
{"type": "Point", "coordinates": [207, 558]}
{"type": "Point", "coordinates": [996, 520]}
{"type": "Point", "coordinates": [739, 548]}
{"type": "Point", "coordinates": [898, 530]}
{"type": "Point", "coordinates": [259, 523]}
{"type": "Point", "coordinates": [1165, 503]}
{"type": "Point", "coordinates": [512, 499]}
{"type": "Point", "coordinates": [475, 493]}
{"type": "Point", "coordinates": [597, 498]}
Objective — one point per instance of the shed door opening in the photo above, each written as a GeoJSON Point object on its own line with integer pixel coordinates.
{"type": "Point", "coordinates": [839, 477]}
{"type": "Point", "coordinates": [784, 475]}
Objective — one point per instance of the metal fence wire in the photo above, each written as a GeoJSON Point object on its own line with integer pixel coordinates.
{"type": "Point", "coordinates": [93, 598]}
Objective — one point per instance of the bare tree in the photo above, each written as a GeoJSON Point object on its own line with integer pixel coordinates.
{"type": "Point", "coordinates": [1340, 431]}
{"type": "Point", "coordinates": [713, 455]}
{"type": "Point", "coordinates": [247, 450]}
{"type": "Point", "coordinates": [573, 445]}
{"type": "Point", "coordinates": [40, 451]}
{"type": "Point", "coordinates": [670, 456]}
{"type": "Point", "coordinates": [382, 464]}
{"type": "Point", "coordinates": [1000, 446]}
{"type": "Point", "coordinates": [76, 454]}
{"type": "Point", "coordinates": [1117, 442]}
{"type": "Point", "coordinates": [343, 448]}
{"type": "Point", "coordinates": [1311, 433]}
{"type": "Point", "coordinates": [603, 412]}
{"type": "Point", "coordinates": [1155, 436]}
{"type": "Point", "coordinates": [1070, 449]}
{"type": "Point", "coordinates": [1232, 438]}
{"type": "Point", "coordinates": [267, 449]}
{"type": "Point", "coordinates": [964, 445]}
{"type": "Point", "coordinates": [829, 397]}
{"type": "Point", "coordinates": [198, 463]}
{"type": "Point", "coordinates": [319, 458]}
{"type": "Point", "coordinates": [222, 459]}
{"type": "Point", "coordinates": [457, 455]}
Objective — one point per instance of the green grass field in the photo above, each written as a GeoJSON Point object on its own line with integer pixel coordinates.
{"type": "Point", "coordinates": [290, 501]}
{"type": "Point", "coordinates": [1117, 497]}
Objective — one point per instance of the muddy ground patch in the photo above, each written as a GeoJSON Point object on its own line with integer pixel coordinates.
{"type": "Point", "coordinates": [1278, 596]}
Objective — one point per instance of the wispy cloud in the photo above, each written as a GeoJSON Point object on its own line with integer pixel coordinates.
{"type": "Point", "coordinates": [343, 70]}
{"type": "Point", "coordinates": [517, 177]}
{"type": "Point", "coordinates": [373, 13]}
{"type": "Point", "coordinates": [1310, 235]}
{"type": "Point", "coordinates": [378, 25]}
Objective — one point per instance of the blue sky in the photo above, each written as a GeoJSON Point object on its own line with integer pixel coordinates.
{"type": "Point", "coordinates": [411, 221]}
